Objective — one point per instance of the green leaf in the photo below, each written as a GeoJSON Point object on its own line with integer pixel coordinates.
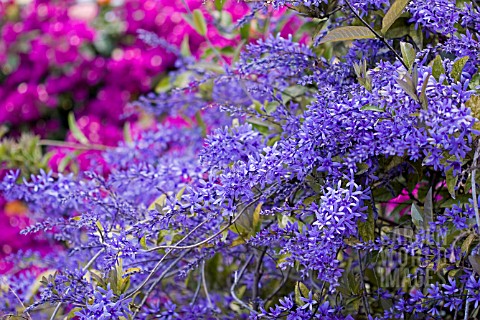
{"type": "Point", "coordinates": [409, 88]}
{"type": "Point", "coordinates": [127, 133]}
{"type": "Point", "coordinates": [185, 47]}
{"type": "Point", "coordinates": [468, 242]}
{"type": "Point", "coordinates": [348, 33]}
{"type": "Point", "coordinates": [417, 218]}
{"type": "Point", "coordinates": [159, 203]}
{"type": "Point", "coordinates": [219, 4]}
{"type": "Point", "coordinates": [393, 13]}
{"type": "Point", "coordinates": [366, 229]}
{"type": "Point", "coordinates": [143, 242]}
{"type": "Point", "coordinates": [458, 67]}
{"type": "Point", "coordinates": [416, 34]}
{"type": "Point", "coordinates": [474, 104]}
{"type": "Point", "coordinates": [245, 31]}
{"type": "Point", "coordinates": [301, 291]}
{"type": "Point", "coordinates": [370, 107]}
{"type": "Point", "coordinates": [399, 29]}
{"type": "Point", "coordinates": [451, 182]}
{"type": "Point", "coordinates": [423, 94]}
{"type": "Point", "coordinates": [475, 262]}
{"type": "Point", "coordinates": [428, 209]}
{"type": "Point", "coordinates": [408, 54]}
{"type": "Point", "coordinates": [179, 195]}
{"type": "Point", "coordinates": [199, 22]}
{"type": "Point", "coordinates": [73, 312]}
{"type": "Point", "coordinates": [76, 132]}
{"type": "Point", "coordinates": [437, 68]}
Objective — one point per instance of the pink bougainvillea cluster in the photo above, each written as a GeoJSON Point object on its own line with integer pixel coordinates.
{"type": "Point", "coordinates": [59, 56]}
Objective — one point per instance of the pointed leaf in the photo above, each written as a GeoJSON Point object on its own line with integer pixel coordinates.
{"type": "Point", "coordinates": [458, 68]}
{"type": "Point", "coordinates": [408, 87]}
{"type": "Point", "coordinates": [159, 203]}
{"type": "Point", "coordinates": [474, 104]}
{"type": "Point", "coordinates": [127, 133]}
{"type": "Point", "coordinates": [428, 209]}
{"type": "Point", "coordinates": [366, 229]}
{"type": "Point", "coordinates": [399, 29]}
{"type": "Point", "coordinates": [370, 107]}
{"type": "Point", "coordinates": [347, 34]}
{"type": "Point", "coordinates": [468, 242]}
{"type": "Point", "coordinates": [451, 182]}
{"type": "Point", "coordinates": [423, 93]}
{"type": "Point", "coordinates": [185, 47]}
{"type": "Point", "coordinates": [393, 13]}
{"type": "Point", "coordinates": [475, 262]}
{"type": "Point", "coordinates": [437, 68]}
{"type": "Point", "coordinates": [416, 215]}
{"type": "Point", "coordinates": [408, 54]}
{"type": "Point", "coordinates": [76, 132]}
{"type": "Point", "coordinates": [199, 22]}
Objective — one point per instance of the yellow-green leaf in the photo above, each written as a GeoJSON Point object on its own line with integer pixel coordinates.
{"type": "Point", "coordinates": [185, 47]}
{"type": "Point", "coordinates": [301, 290]}
{"type": "Point", "coordinates": [127, 133]}
{"type": "Point", "coordinates": [348, 33]}
{"type": "Point", "coordinates": [159, 203]}
{"type": "Point", "coordinates": [468, 242]}
{"type": "Point", "coordinates": [458, 68]}
{"type": "Point", "coordinates": [474, 104]}
{"type": "Point", "coordinates": [76, 132]}
{"type": "Point", "coordinates": [393, 13]}
{"type": "Point", "coordinates": [199, 22]}
{"type": "Point", "coordinates": [180, 193]}
{"type": "Point", "coordinates": [257, 218]}
{"type": "Point", "coordinates": [451, 182]}
{"type": "Point", "coordinates": [370, 107]}
{"type": "Point", "coordinates": [408, 54]}
{"type": "Point", "coordinates": [437, 68]}
{"type": "Point", "coordinates": [366, 229]}
{"type": "Point", "coordinates": [143, 242]}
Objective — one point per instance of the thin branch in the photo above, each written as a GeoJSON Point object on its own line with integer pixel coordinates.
{"type": "Point", "coordinates": [237, 277]}
{"type": "Point", "coordinates": [197, 291]}
{"type": "Point", "coordinates": [204, 284]}
{"type": "Point", "coordinates": [192, 246]}
{"type": "Point", "coordinates": [362, 282]}
{"type": "Point", "coordinates": [63, 144]}
{"type": "Point", "coordinates": [157, 281]}
{"type": "Point", "coordinates": [467, 307]}
{"type": "Point", "coordinates": [256, 280]}
{"type": "Point", "coordinates": [18, 298]}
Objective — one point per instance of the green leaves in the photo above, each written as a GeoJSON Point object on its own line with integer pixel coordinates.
{"type": "Point", "coordinates": [408, 54]}
{"type": "Point", "coordinates": [347, 34]}
{"type": "Point", "coordinates": [25, 154]}
{"type": "Point", "coordinates": [393, 13]}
